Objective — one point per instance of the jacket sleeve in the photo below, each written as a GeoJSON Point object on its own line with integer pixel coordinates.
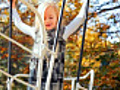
{"type": "Point", "coordinates": [76, 22]}
{"type": "Point", "coordinates": [22, 26]}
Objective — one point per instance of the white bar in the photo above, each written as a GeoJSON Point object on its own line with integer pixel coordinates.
{"type": "Point", "coordinates": [20, 81]}
{"type": "Point", "coordinates": [91, 73]}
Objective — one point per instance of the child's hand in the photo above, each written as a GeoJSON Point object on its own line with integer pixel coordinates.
{"type": "Point", "coordinates": [13, 3]}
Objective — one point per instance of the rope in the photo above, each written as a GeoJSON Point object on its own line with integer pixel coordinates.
{"type": "Point", "coordinates": [18, 44]}
{"type": "Point", "coordinates": [21, 81]}
{"type": "Point", "coordinates": [44, 33]}
{"type": "Point", "coordinates": [25, 48]}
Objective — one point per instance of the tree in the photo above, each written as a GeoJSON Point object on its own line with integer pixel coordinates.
{"type": "Point", "coordinates": [101, 51]}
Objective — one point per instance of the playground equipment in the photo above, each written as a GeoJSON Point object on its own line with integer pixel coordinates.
{"type": "Point", "coordinates": [43, 49]}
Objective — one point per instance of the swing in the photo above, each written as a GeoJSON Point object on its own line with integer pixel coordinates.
{"type": "Point", "coordinates": [40, 63]}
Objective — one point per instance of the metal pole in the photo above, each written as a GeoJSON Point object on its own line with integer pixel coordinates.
{"type": "Point", "coordinates": [54, 47]}
{"type": "Point", "coordinates": [10, 43]}
{"type": "Point", "coordinates": [58, 26]}
{"type": "Point", "coordinates": [82, 45]}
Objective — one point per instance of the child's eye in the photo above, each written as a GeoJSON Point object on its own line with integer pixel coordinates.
{"type": "Point", "coordinates": [50, 17]}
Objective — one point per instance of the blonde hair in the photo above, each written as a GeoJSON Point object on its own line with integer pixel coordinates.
{"type": "Point", "coordinates": [41, 9]}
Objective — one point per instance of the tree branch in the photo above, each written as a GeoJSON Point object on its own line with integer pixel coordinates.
{"type": "Point", "coordinates": [108, 9]}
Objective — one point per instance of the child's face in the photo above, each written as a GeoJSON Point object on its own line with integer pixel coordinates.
{"type": "Point", "coordinates": [50, 18]}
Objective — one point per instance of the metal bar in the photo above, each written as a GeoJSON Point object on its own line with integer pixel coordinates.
{"type": "Point", "coordinates": [10, 44]}
{"type": "Point", "coordinates": [58, 25]}
{"type": "Point", "coordinates": [18, 80]}
{"type": "Point", "coordinates": [10, 35]}
{"type": "Point", "coordinates": [54, 47]}
{"type": "Point", "coordinates": [82, 45]}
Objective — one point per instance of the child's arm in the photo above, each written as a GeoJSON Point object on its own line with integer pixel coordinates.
{"type": "Point", "coordinates": [22, 26]}
{"type": "Point", "coordinates": [18, 22]}
{"type": "Point", "coordinates": [76, 22]}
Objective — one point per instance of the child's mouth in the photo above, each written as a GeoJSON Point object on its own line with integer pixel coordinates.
{"type": "Point", "coordinates": [48, 25]}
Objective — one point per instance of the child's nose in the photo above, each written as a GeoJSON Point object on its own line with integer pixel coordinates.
{"type": "Point", "coordinates": [47, 20]}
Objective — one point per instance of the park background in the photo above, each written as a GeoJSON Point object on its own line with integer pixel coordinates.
{"type": "Point", "coordinates": [101, 49]}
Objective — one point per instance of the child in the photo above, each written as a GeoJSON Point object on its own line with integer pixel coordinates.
{"type": "Point", "coordinates": [50, 14]}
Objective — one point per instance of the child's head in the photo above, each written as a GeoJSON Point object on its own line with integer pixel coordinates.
{"type": "Point", "coordinates": [50, 17]}
{"type": "Point", "coordinates": [49, 13]}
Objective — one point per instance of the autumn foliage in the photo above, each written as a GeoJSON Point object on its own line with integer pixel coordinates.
{"type": "Point", "coordinates": [100, 54]}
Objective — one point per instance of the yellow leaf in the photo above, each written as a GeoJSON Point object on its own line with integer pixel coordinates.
{"type": "Point", "coordinates": [14, 65]}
